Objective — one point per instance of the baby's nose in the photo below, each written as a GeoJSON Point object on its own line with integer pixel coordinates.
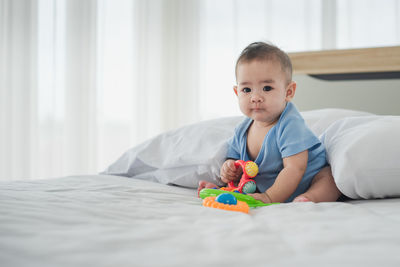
{"type": "Point", "coordinates": [255, 98]}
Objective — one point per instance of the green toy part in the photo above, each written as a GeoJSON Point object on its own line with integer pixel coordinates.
{"type": "Point", "coordinates": [208, 192]}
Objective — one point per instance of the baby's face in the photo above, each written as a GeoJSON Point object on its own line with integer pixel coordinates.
{"type": "Point", "coordinates": [262, 90]}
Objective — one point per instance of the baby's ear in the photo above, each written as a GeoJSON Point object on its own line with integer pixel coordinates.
{"type": "Point", "coordinates": [235, 89]}
{"type": "Point", "coordinates": [290, 90]}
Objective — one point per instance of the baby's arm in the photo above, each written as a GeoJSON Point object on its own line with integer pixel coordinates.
{"type": "Point", "coordinates": [229, 172]}
{"type": "Point", "coordinates": [288, 179]}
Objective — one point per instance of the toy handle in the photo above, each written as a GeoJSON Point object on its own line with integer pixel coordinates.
{"type": "Point", "coordinates": [238, 163]}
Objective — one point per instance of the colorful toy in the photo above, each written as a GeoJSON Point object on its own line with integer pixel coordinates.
{"type": "Point", "coordinates": [226, 201]}
{"type": "Point", "coordinates": [233, 197]}
{"type": "Point", "coordinates": [246, 184]}
{"type": "Point", "coordinates": [249, 200]}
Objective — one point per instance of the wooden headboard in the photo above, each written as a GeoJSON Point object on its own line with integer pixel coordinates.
{"type": "Point", "coordinates": [365, 79]}
{"type": "Point", "coordinates": [380, 59]}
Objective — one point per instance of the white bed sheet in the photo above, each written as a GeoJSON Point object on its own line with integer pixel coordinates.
{"type": "Point", "coordinates": [104, 220]}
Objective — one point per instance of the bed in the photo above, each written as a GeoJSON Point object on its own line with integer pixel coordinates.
{"type": "Point", "coordinates": [143, 210]}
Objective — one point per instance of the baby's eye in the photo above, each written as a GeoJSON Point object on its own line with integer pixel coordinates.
{"type": "Point", "coordinates": [267, 88]}
{"type": "Point", "coordinates": [246, 90]}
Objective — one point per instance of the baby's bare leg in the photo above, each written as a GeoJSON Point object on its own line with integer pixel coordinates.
{"type": "Point", "coordinates": [322, 189]}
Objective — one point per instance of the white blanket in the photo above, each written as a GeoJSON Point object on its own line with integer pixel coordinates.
{"type": "Point", "coordinates": [115, 221]}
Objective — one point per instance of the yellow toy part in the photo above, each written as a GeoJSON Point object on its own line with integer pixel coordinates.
{"type": "Point", "coordinates": [251, 169]}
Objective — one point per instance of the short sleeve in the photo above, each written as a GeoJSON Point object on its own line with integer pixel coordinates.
{"type": "Point", "coordinates": [294, 136]}
{"type": "Point", "coordinates": [233, 148]}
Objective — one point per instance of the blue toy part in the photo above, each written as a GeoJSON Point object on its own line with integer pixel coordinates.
{"type": "Point", "coordinates": [226, 199]}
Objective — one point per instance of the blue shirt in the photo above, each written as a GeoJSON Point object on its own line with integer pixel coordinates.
{"type": "Point", "coordinates": [289, 136]}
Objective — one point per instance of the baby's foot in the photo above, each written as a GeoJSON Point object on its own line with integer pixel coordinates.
{"type": "Point", "coordinates": [205, 184]}
{"type": "Point", "coordinates": [302, 198]}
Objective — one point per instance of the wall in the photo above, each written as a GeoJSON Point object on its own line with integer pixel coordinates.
{"type": "Point", "coordinates": [376, 96]}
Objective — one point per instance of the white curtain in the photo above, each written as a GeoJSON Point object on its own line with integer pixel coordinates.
{"type": "Point", "coordinates": [148, 74]}
{"type": "Point", "coordinates": [18, 88]}
{"type": "Point", "coordinates": [83, 81]}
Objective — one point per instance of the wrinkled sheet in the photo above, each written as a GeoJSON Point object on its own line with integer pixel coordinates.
{"type": "Point", "coordinates": [104, 220]}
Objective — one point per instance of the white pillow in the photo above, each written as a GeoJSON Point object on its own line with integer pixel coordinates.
{"type": "Point", "coordinates": [182, 157]}
{"type": "Point", "coordinates": [196, 152]}
{"type": "Point", "coordinates": [364, 156]}
{"type": "Point", "coordinates": [320, 119]}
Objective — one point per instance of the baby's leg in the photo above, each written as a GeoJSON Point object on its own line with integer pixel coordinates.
{"type": "Point", "coordinates": [205, 184]}
{"type": "Point", "coordinates": [322, 189]}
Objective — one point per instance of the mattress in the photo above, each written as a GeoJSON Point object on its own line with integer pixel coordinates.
{"type": "Point", "coordinates": [104, 220]}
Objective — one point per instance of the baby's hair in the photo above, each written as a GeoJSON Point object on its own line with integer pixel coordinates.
{"type": "Point", "coordinates": [264, 51]}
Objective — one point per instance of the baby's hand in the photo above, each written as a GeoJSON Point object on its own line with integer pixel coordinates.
{"type": "Point", "coordinates": [229, 172]}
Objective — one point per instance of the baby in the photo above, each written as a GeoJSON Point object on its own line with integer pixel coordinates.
{"type": "Point", "coordinates": [291, 159]}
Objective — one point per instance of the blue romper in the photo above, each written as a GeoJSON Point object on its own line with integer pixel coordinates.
{"type": "Point", "coordinates": [289, 136]}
